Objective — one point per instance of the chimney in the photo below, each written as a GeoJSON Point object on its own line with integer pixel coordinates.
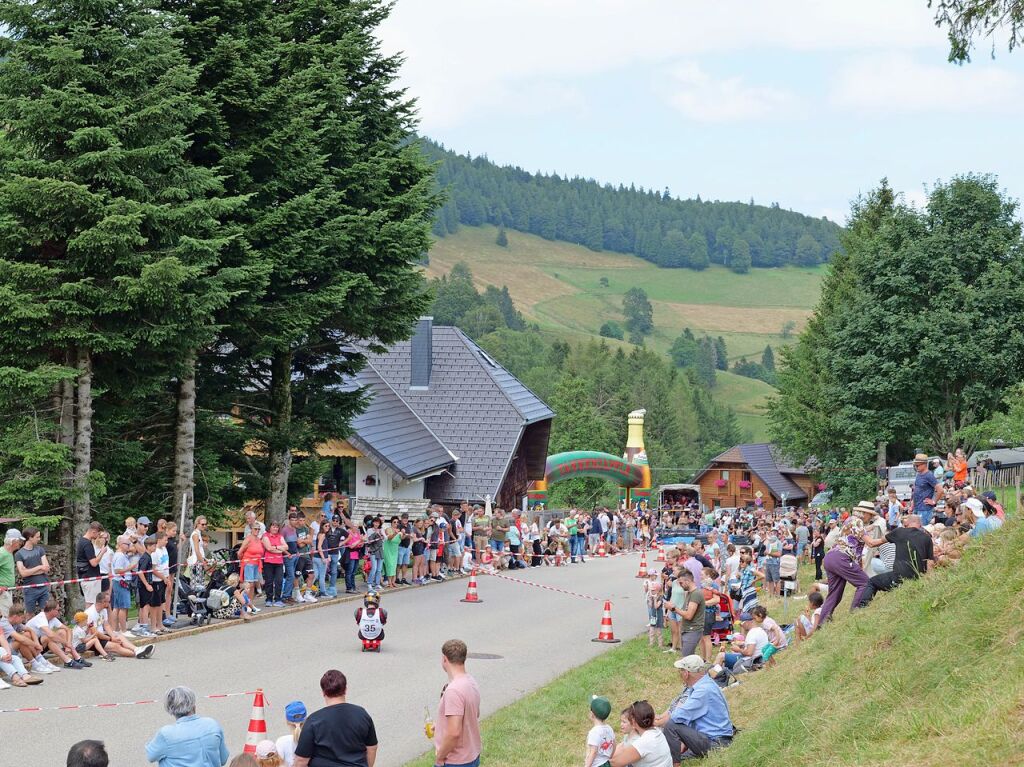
{"type": "Point", "coordinates": [421, 354]}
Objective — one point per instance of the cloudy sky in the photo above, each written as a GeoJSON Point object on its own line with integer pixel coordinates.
{"type": "Point", "coordinates": [804, 103]}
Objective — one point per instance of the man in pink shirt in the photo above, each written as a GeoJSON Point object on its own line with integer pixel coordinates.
{"type": "Point", "coordinates": [457, 739]}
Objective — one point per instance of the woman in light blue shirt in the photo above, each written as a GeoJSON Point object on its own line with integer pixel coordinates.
{"type": "Point", "coordinates": [192, 741]}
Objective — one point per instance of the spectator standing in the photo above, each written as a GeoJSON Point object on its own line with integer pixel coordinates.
{"type": "Point", "coordinates": [162, 566]}
{"type": "Point", "coordinates": [374, 547]}
{"type": "Point", "coordinates": [457, 734]}
{"type": "Point", "coordinates": [481, 533]}
{"type": "Point", "coordinates": [290, 538]}
{"type": "Point", "coordinates": [250, 555]}
{"type": "Point", "coordinates": [353, 553]}
{"type": "Point", "coordinates": [927, 491]}
{"type": "Point", "coordinates": [197, 560]}
{"type": "Point", "coordinates": [274, 549]}
{"type": "Point", "coordinates": [12, 542]}
{"type": "Point", "coordinates": [334, 540]}
{"type": "Point", "coordinates": [34, 568]}
{"type": "Point", "coordinates": [405, 549]}
{"type": "Point", "coordinates": [499, 532]}
{"type": "Point", "coordinates": [688, 604]}
{"type": "Point", "coordinates": [122, 570]}
{"type": "Point", "coordinates": [341, 733]}
{"type": "Point", "coordinates": [389, 551]}
{"type": "Point", "coordinates": [87, 562]}
{"type": "Point", "coordinates": [192, 741]}
{"type": "Point", "coordinates": [88, 753]}
{"type": "Point", "coordinates": [818, 554]}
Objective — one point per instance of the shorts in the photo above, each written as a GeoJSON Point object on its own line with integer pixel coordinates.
{"type": "Point", "coordinates": [121, 596]}
{"type": "Point", "coordinates": [90, 589]}
{"type": "Point", "coordinates": [431, 555]}
{"type": "Point", "coordinates": [673, 617]}
{"type": "Point", "coordinates": [6, 603]}
{"type": "Point", "coordinates": [771, 570]}
{"type": "Point", "coordinates": [497, 545]}
{"type": "Point", "coordinates": [35, 598]}
{"type": "Point", "coordinates": [709, 621]}
{"type": "Point", "coordinates": [455, 550]}
{"type": "Point", "coordinates": [154, 598]}
{"type": "Point", "coordinates": [800, 549]}
{"type": "Point", "coordinates": [404, 556]}
{"type": "Point", "coordinates": [252, 574]}
{"type": "Point", "coordinates": [303, 567]}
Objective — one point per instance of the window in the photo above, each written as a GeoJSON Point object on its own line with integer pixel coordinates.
{"type": "Point", "coordinates": [724, 473]}
{"type": "Point", "coordinates": [746, 476]}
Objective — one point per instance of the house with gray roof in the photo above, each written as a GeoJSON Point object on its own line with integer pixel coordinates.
{"type": "Point", "coordinates": [445, 423]}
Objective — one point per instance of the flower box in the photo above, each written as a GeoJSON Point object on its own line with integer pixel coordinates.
{"type": "Point", "coordinates": [721, 483]}
{"type": "Point", "coordinates": [744, 484]}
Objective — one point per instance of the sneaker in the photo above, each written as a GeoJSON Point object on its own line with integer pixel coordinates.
{"type": "Point", "coordinates": [131, 634]}
{"type": "Point", "coordinates": [41, 668]}
{"type": "Point", "coordinates": [144, 652]}
{"type": "Point", "coordinates": [351, 591]}
{"type": "Point", "coordinates": [169, 622]}
{"type": "Point", "coordinates": [256, 609]}
{"type": "Point", "coordinates": [4, 685]}
{"type": "Point", "coordinates": [50, 666]}
{"type": "Point", "coordinates": [279, 603]}
{"type": "Point", "coordinates": [109, 658]}
{"type": "Point", "coordinates": [85, 663]}
{"type": "Point", "coordinates": [309, 597]}
{"type": "Point", "coordinates": [75, 665]}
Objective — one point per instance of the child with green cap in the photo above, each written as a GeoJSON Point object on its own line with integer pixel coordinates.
{"type": "Point", "coordinates": [601, 738]}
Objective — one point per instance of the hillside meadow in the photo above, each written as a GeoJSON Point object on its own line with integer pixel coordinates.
{"type": "Point", "coordinates": [570, 291]}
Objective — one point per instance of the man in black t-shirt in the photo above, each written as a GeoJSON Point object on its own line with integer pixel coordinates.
{"type": "Point", "coordinates": [87, 563]}
{"type": "Point", "coordinates": [340, 733]}
{"type": "Point", "coordinates": [914, 555]}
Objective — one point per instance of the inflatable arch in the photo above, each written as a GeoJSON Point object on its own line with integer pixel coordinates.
{"type": "Point", "coordinates": [630, 472]}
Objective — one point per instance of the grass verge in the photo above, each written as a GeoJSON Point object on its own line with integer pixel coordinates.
{"type": "Point", "coordinates": [931, 674]}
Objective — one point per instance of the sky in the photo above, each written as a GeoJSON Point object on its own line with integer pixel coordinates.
{"type": "Point", "coordinates": [807, 103]}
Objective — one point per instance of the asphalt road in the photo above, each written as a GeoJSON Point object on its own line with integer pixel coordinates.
{"type": "Point", "coordinates": [286, 656]}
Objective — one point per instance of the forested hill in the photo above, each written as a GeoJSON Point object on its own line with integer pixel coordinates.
{"type": "Point", "coordinates": [650, 224]}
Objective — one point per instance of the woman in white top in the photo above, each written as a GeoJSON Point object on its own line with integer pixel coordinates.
{"type": "Point", "coordinates": [197, 555]}
{"type": "Point", "coordinates": [648, 748]}
{"type": "Point", "coordinates": [102, 547]}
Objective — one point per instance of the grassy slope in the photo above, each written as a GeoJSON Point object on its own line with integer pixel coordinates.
{"type": "Point", "coordinates": [557, 285]}
{"type": "Point", "coordinates": [931, 674]}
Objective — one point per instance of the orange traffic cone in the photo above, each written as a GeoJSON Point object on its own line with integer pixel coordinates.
{"type": "Point", "coordinates": [606, 634]}
{"type": "Point", "coordinates": [471, 595]}
{"type": "Point", "coordinates": [643, 565]}
{"type": "Point", "coordinates": [257, 724]}
{"type": "Point", "coordinates": [601, 550]}
{"type": "Point", "coordinates": [661, 553]}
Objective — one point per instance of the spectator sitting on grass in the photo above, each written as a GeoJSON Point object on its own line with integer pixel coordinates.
{"type": "Point", "coordinates": [648, 747]}
{"type": "Point", "coordinates": [746, 648]}
{"type": "Point", "coordinates": [697, 721]}
{"type": "Point", "coordinates": [807, 623]}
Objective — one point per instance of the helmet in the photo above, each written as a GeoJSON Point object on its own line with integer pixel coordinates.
{"type": "Point", "coordinates": [371, 599]}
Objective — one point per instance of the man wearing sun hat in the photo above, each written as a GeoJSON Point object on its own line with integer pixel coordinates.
{"type": "Point", "coordinates": [697, 721]}
{"type": "Point", "coordinates": [927, 489]}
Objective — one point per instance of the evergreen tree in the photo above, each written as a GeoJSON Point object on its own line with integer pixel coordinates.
{"type": "Point", "coordinates": [706, 362]}
{"type": "Point", "coordinates": [808, 251]}
{"type": "Point", "coordinates": [698, 251]}
{"type": "Point", "coordinates": [110, 236]}
{"type": "Point", "coordinates": [740, 261]}
{"type": "Point", "coordinates": [454, 295]}
{"type": "Point", "coordinates": [683, 351]}
{"type": "Point", "coordinates": [768, 359]}
{"type": "Point", "coordinates": [339, 211]}
{"type": "Point", "coordinates": [721, 355]}
{"type": "Point", "coordinates": [502, 239]}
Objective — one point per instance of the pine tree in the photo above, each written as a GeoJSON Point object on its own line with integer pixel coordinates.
{"type": "Point", "coordinates": [111, 238]}
{"type": "Point", "coordinates": [698, 251]}
{"type": "Point", "coordinates": [740, 261]}
{"type": "Point", "coordinates": [721, 355]}
{"type": "Point", "coordinates": [502, 239]}
{"type": "Point", "coordinates": [768, 359]}
{"type": "Point", "coordinates": [339, 213]}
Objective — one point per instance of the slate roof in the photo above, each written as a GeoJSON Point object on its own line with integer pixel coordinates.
{"type": "Point", "coordinates": [477, 408]}
{"type": "Point", "coordinates": [764, 460]}
{"type": "Point", "coordinates": [389, 431]}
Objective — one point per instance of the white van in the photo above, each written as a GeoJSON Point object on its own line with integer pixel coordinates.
{"type": "Point", "coordinates": [901, 478]}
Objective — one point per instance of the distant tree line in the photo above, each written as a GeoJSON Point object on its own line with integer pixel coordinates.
{"type": "Point", "coordinates": [650, 224]}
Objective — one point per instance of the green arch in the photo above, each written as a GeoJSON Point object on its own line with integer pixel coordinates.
{"type": "Point", "coordinates": [590, 463]}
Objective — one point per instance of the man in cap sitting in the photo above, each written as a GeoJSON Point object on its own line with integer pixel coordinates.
{"type": "Point", "coordinates": [697, 721]}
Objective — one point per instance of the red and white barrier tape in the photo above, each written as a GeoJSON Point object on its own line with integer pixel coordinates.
{"type": "Point", "coordinates": [542, 586]}
{"type": "Point", "coordinates": [75, 707]}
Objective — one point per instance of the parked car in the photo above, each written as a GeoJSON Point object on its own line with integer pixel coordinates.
{"type": "Point", "coordinates": [821, 500]}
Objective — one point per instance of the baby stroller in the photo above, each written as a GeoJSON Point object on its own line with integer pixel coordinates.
{"type": "Point", "coordinates": [203, 604]}
{"type": "Point", "coordinates": [725, 618]}
{"type": "Point", "coordinates": [787, 574]}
